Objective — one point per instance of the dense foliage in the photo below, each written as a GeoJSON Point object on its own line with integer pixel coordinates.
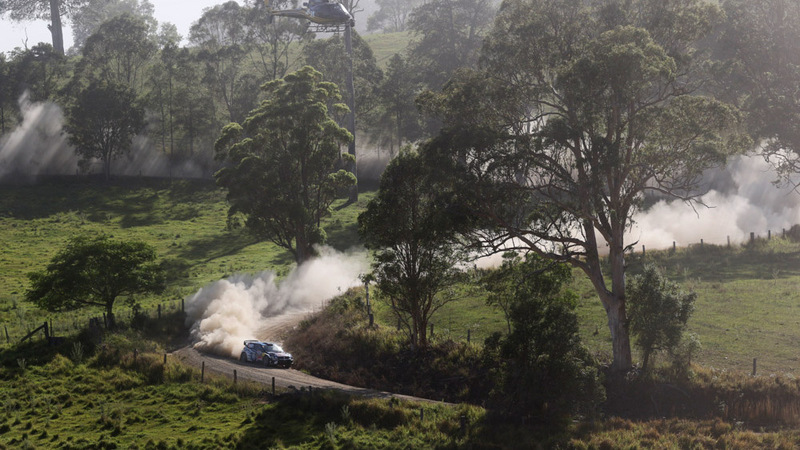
{"type": "Point", "coordinates": [659, 312]}
{"type": "Point", "coordinates": [579, 110]}
{"type": "Point", "coordinates": [284, 162]}
{"type": "Point", "coordinates": [96, 272]}
{"type": "Point", "coordinates": [416, 258]}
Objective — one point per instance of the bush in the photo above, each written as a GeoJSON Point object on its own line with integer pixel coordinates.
{"type": "Point", "coordinates": [658, 311]}
{"type": "Point", "coordinates": [546, 373]}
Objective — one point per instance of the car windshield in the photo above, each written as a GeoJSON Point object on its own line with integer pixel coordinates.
{"type": "Point", "coordinates": [273, 348]}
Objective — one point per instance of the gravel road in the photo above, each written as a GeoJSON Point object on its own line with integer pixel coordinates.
{"type": "Point", "coordinates": [274, 330]}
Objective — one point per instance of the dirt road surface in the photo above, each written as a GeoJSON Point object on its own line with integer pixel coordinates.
{"type": "Point", "coordinates": [274, 330]}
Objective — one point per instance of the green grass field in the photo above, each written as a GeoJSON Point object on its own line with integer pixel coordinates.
{"type": "Point", "coordinates": [185, 221]}
{"type": "Point", "coordinates": [747, 308]}
{"type": "Point", "coordinates": [748, 302]}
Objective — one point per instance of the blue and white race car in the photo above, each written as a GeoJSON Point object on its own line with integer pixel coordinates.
{"type": "Point", "coordinates": [267, 353]}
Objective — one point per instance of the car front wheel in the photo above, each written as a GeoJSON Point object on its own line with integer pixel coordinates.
{"type": "Point", "coordinates": [243, 357]}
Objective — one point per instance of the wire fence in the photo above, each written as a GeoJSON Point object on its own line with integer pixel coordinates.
{"type": "Point", "coordinates": [71, 323]}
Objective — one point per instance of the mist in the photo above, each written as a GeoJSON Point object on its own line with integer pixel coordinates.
{"type": "Point", "coordinates": [39, 147]}
{"type": "Point", "coordinates": [226, 312]}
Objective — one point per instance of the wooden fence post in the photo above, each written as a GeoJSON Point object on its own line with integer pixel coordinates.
{"type": "Point", "coordinates": [643, 251]}
{"type": "Point", "coordinates": [234, 376]}
{"type": "Point", "coordinates": [273, 386]}
{"type": "Point", "coordinates": [165, 358]}
{"type": "Point", "coordinates": [203, 372]}
{"type": "Point", "coordinates": [8, 339]}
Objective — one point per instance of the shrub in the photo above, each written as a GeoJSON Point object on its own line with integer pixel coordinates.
{"type": "Point", "coordinates": [545, 373]}
{"type": "Point", "coordinates": [658, 311]}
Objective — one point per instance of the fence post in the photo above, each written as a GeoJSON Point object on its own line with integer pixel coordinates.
{"type": "Point", "coordinates": [273, 386]}
{"type": "Point", "coordinates": [469, 336]}
{"type": "Point", "coordinates": [701, 243]}
{"type": "Point", "coordinates": [234, 376]}
{"type": "Point", "coordinates": [729, 241]}
{"type": "Point", "coordinates": [165, 358]}
{"type": "Point", "coordinates": [8, 339]}
{"type": "Point", "coordinates": [643, 251]}
{"type": "Point", "coordinates": [674, 249]}
{"type": "Point", "coordinates": [203, 372]}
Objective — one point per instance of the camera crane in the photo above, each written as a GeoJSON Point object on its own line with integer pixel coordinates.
{"type": "Point", "coordinates": [325, 16]}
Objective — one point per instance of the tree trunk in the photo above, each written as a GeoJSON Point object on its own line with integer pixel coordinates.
{"type": "Point", "coordinates": [112, 323]}
{"type": "Point", "coordinates": [55, 27]}
{"type": "Point", "coordinates": [620, 340]}
{"type": "Point", "coordinates": [616, 308]}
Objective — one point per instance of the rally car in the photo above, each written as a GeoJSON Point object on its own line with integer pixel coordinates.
{"type": "Point", "coordinates": [267, 353]}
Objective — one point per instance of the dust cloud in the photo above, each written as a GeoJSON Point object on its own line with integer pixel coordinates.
{"type": "Point", "coordinates": [226, 312]}
{"type": "Point", "coordinates": [742, 199]}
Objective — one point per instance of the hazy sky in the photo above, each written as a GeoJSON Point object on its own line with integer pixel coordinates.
{"type": "Point", "coordinates": [179, 12]}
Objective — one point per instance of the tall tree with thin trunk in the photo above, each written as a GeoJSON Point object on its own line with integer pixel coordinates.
{"type": "Point", "coordinates": [581, 108]}
{"type": "Point", "coordinates": [416, 257]}
{"type": "Point", "coordinates": [52, 10]}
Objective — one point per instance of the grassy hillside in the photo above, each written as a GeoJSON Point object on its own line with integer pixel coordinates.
{"type": "Point", "coordinates": [386, 45]}
{"type": "Point", "coordinates": [748, 302]}
{"type": "Point", "coordinates": [184, 220]}
{"type": "Point", "coordinates": [747, 308]}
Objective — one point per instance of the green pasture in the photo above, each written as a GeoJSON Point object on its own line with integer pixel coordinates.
{"type": "Point", "coordinates": [748, 302]}
{"type": "Point", "coordinates": [186, 221]}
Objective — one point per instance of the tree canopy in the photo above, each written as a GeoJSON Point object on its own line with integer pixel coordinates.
{"type": "Point", "coordinates": [416, 257]}
{"type": "Point", "coordinates": [103, 121]}
{"type": "Point", "coordinates": [281, 162]}
{"type": "Point", "coordinates": [580, 109]}
{"type": "Point", "coordinates": [96, 272]}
